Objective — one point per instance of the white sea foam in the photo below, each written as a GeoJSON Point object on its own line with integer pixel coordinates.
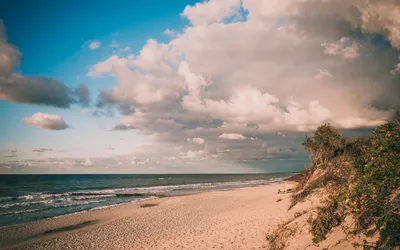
{"type": "Point", "coordinates": [24, 204]}
{"type": "Point", "coordinates": [79, 203]}
{"type": "Point", "coordinates": [196, 186]}
{"type": "Point", "coordinates": [46, 196]}
{"type": "Point", "coordinates": [87, 197]}
{"type": "Point", "coordinates": [132, 201]}
{"type": "Point", "coordinates": [26, 197]}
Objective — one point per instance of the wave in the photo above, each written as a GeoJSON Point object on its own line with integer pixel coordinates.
{"type": "Point", "coordinates": [22, 197]}
{"type": "Point", "coordinates": [6, 198]}
{"type": "Point", "coordinates": [20, 212]}
{"type": "Point", "coordinates": [142, 191]}
{"type": "Point", "coordinates": [114, 205]}
{"type": "Point", "coordinates": [80, 203]}
{"type": "Point", "coordinates": [94, 196]}
{"type": "Point", "coordinates": [50, 203]}
{"type": "Point", "coordinates": [25, 197]}
{"type": "Point", "coordinates": [118, 195]}
{"type": "Point", "coordinates": [24, 204]}
{"type": "Point", "coordinates": [31, 196]}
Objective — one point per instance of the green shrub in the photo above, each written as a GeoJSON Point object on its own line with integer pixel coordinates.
{"type": "Point", "coordinates": [389, 235]}
{"type": "Point", "coordinates": [325, 144]}
{"type": "Point", "coordinates": [327, 219]}
{"type": "Point", "coordinates": [362, 177]}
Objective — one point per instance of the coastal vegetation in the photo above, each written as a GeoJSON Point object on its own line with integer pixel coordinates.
{"type": "Point", "coordinates": [359, 180]}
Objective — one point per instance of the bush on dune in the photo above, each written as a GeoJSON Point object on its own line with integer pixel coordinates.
{"type": "Point", "coordinates": [362, 179]}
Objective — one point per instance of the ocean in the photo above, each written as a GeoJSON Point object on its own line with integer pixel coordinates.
{"type": "Point", "coordinates": [25, 198]}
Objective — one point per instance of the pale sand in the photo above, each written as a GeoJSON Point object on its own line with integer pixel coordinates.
{"type": "Point", "coordinates": [234, 219]}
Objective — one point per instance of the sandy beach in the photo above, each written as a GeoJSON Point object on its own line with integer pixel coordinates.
{"type": "Point", "coordinates": [234, 219]}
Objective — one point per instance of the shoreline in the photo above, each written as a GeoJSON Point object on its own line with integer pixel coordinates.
{"type": "Point", "coordinates": [79, 212]}
{"type": "Point", "coordinates": [249, 201]}
{"type": "Point", "coordinates": [135, 202]}
{"type": "Point", "coordinates": [155, 196]}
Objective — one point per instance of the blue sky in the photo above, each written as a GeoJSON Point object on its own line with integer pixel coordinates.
{"type": "Point", "coordinates": [189, 86]}
{"type": "Point", "coordinates": [53, 41]}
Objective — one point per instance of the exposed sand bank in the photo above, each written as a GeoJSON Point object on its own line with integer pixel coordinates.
{"type": "Point", "coordinates": [234, 219]}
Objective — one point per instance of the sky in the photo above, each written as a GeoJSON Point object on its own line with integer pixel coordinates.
{"type": "Point", "coordinates": [213, 86]}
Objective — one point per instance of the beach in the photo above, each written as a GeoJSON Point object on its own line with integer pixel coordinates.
{"type": "Point", "coordinates": [233, 219]}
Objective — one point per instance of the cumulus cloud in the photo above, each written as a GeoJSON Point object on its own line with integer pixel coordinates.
{"type": "Point", "coordinates": [379, 17]}
{"type": "Point", "coordinates": [253, 68]}
{"type": "Point", "coordinates": [137, 161]}
{"type": "Point", "coordinates": [46, 121]}
{"type": "Point", "coordinates": [232, 136]}
{"type": "Point", "coordinates": [15, 87]}
{"type": "Point", "coordinates": [344, 47]}
{"type": "Point", "coordinates": [94, 45]}
{"type": "Point", "coordinates": [196, 140]}
{"type": "Point", "coordinates": [192, 154]}
{"type": "Point", "coordinates": [323, 74]}
{"type": "Point", "coordinates": [211, 11]}
{"type": "Point", "coordinates": [106, 66]}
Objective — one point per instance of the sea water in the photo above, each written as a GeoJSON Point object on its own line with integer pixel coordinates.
{"type": "Point", "coordinates": [25, 198]}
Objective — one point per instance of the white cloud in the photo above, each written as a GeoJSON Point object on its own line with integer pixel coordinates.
{"type": "Point", "coordinates": [46, 121]}
{"type": "Point", "coordinates": [86, 162]}
{"type": "Point", "coordinates": [211, 11]}
{"type": "Point", "coordinates": [192, 154]}
{"type": "Point", "coordinates": [94, 45]}
{"type": "Point", "coordinates": [170, 32]}
{"type": "Point", "coordinates": [136, 161]}
{"type": "Point", "coordinates": [226, 74]}
{"type": "Point", "coordinates": [158, 83]}
{"type": "Point", "coordinates": [232, 136]}
{"type": "Point", "coordinates": [106, 66]}
{"type": "Point", "coordinates": [323, 74]}
{"type": "Point", "coordinates": [246, 102]}
{"type": "Point", "coordinates": [196, 140]}
{"type": "Point", "coordinates": [344, 47]}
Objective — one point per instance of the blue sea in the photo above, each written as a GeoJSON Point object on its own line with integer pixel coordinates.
{"type": "Point", "coordinates": [25, 198]}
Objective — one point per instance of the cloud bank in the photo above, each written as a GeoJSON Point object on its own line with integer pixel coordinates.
{"type": "Point", "coordinates": [251, 68]}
